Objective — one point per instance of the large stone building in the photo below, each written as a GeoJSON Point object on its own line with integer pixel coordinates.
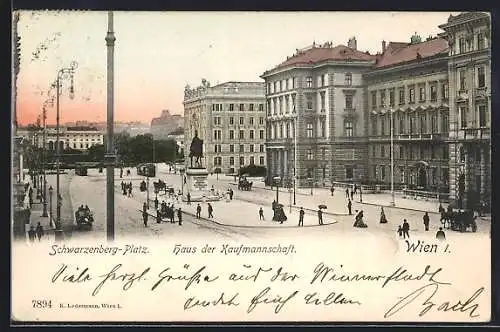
{"type": "Point", "coordinates": [76, 138]}
{"type": "Point", "coordinates": [166, 123]}
{"type": "Point", "coordinates": [230, 118]}
{"type": "Point", "coordinates": [341, 101]}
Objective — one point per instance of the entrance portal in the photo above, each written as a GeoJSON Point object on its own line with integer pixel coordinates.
{"type": "Point", "coordinates": [422, 177]}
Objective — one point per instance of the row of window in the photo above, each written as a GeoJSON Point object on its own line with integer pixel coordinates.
{"type": "Point", "coordinates": [409, 175]}
{"type": "Point", "coordinates": [53, 145]}
{"type": "Point", "coordinates": [287, 130]}
{"type": "Point", "coordinates": [218, 120]}
{"type": "Point", "coordinates": [465, 116]}
{"type": "Point", "coordinates": [409, 123]}
{"type": "Point", "coordinates": [409, 152]}
{"type": "Point", "coordinates": [291, 83]}
{"type": "Point", "coordinates": [411, 95]}
{"type": "Point", "coordinates": [240, 107]}
{"type": "Point", "coordinates": [218, 160]}
{"type": "Point", "coordinates": [479, 77]}
{"type": "Point", "coordinates": [217, 135]}
{"type": "Point", "coordinates": [467, 44]}
{"type": "Point", "coordinates": [251, 148]}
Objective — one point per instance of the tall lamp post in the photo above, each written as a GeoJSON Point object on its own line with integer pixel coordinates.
{"type": "Point", "coordinates": [181, 171]}
{"type": "Point", "coordinates": [392, 158]}
{"type": "Point", "coordinates": [64, 73]}
{"type": "Point", "coordinates": [47, 103]}
{"type": "Point", "coordinates": [50, 204]}
{"type": "Point", "coordinates": [110, 156]}
{"type": "Point", "coordinates": [311, 181]}
{"type": "Point", "coordinates": [294, 159]}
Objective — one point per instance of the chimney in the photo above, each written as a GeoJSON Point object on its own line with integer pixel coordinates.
{"type": "Point", "coordinates": [383, 46]}
{"type": "Point", "coordinates": [352, 43]}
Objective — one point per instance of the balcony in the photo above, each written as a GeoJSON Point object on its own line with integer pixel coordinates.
{"type": "Point", "coordinates": [412, 137]}
{"type": "Point", "coordinates": [474, 134]}
{"type": "Point", "coordinates": [462, 95]}
{"type": "Point", "coordinates": [350, 111]}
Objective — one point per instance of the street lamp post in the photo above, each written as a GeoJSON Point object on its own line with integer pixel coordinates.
{"type": "Point", "coordinates": [110, 156]}
{"type": "Point", "coordinates": [392, 158]}
{"type": "Point", "coordinates": [311, 181]}
{"type": "Point", "coordinates": [50, 203]}
{"type": "Point", "coordinates": [147, 190]}
{"type": "Point", "coordinates": [47, 103]}
{"type": "Point", "coordinates": [64, 73]}
{"type": "Point", "coordinates": [294, 159]}
{"type": "Point", "coordinates": [182, 181]}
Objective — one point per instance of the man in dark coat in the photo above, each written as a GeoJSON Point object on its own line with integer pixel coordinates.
{"type": "Point", "coordinates": [426, 221]}
{"type": "Point", "coordinates": [349, 207]}
{"type": "Point", "coordinates": [320, 216]}
{"type": "Point", "coordinates": [301, 217]}
{"type": "Point", "coordinates": [261, 214]}
{"type": "Point", "coordinates": [39, 231]}
{"type": "Point", "coordinates": [440, 234]}
{"type": "Point", "coordinates": [158, 217]}
{"type": "Point", "coordinates": [198, 211]}
{"type": "Point", "coordinates": [406, 229]}
{"type": "Point", "coordinates": [32, 234]}
{"type": "Point", "coordinates": [145, 214]}
{"type": "Point", "coordinates": [179, 216]}
{"type": "Point", "coordinates": [210, 211]}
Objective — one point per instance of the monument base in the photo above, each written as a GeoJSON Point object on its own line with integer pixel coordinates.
{"type": "Point", "coordinates": [197, 185]}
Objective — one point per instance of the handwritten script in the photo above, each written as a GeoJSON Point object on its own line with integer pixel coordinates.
{"type": "Point", "coordinates": [274, 289]}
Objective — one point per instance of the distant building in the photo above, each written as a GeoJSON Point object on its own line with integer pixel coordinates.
{"type": "Point", "coordinates": [166, 123]}
{"type": "Point", "coordinates": [77, 138]}
{"type": "Point", "coordinates": [230, 118]}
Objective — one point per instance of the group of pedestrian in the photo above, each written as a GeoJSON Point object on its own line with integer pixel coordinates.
{"type": "Point", "coordinates": [404, 230]}
{"type": "Point", "coordinates": [127, 189]}
{"type": "Point", "coordinates": [210, 210]}
{"type": "Point", "coordinates": [159, 214]}
{"type": "Point", "coordinates": [35, 233]}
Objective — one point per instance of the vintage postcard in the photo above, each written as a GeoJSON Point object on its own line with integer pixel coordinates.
{"type": "Point", "coordinates": [251, 166]}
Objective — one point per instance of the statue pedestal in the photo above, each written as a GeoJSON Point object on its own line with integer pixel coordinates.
{"type": "Point", "coordinates": [197, 186]}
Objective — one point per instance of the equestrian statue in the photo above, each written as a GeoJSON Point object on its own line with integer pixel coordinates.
{"type": "Point", "coordinates": [196, 150]}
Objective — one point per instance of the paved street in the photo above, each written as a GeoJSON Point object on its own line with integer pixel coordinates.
{"type": "Point", "coordinates": [235, 219]}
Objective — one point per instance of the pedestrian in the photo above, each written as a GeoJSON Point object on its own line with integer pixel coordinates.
{"type": "Point", "coordinates": [355, 188]}
{"type": "Point", "coordinates": [156, 203]}
{"type": "Point", "coordinates": [332, 189]}
{"type": "Point", "coordinates": [426, 221]}
{"type": "Point", "coordinates": [198, 211]}
{"type": "Point", "coordinates": [347, 192]}
{"type": "Point", "coordinates": [231, 193]}
{"type": "Point", "coordinates": [188, 198]}
{"type": "Point", "coordinates": [440, 234]}
{"type": "Point", "coordinates": [349, 207]}
{"type": "Point", "coordinates": [130, 191]}
{"type": "Point", "coordinates": [32, 234]}
{"type": "Point", "coordinates": [301, 217]}
{"type": "Point", "coordinates": [172, 214]}
{"type": "Point", "coordinates": [352, 195]}
{"type": "Point", "coordinates": [406, 229]}
{"type": "Point", "coordinates": [145, 217]}
{"type": "Point", "coordinates": [320, 216]}
{"type": "Point", "coordinates": [121, 173]}
{"type": "Point", "coordinates": [210, 211]}
{"type": "Point", "coordinates": [261, 214]}
{"type": "Point", "coordinates": [383, 219]}
{"type": "Point", "coordinates": [39, 231]}
{"type": "Point", "coordinates": [158, 217]}
{"type": "Point", "coordinates": [400, 231]}
{"type": "Point", "coordinates": [179, 216]}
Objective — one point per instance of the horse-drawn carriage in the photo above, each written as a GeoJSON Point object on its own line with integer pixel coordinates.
{"type": "Point", "coordinates": [244, 184]}
{"type": "Point", "coordinates": [84, 218]}
{"type": "Point", "coordinates": [459, 220]}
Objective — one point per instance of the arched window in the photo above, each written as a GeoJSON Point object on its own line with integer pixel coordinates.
{"type": "Point", "coordinates": [348, 79]}
{"type": "Point", "coordinates": [51, 145]}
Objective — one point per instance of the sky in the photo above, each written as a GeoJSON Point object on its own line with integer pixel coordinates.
{"type": "Point", "coordinates": [158, 53]}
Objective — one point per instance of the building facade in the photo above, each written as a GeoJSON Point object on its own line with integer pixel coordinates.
{"type": "Point", "coordinates": [469, 72]}
{"type": "Point", "coordinates": [76, 138]}
{"type": "Point", "coordinates": [408, 94]}
{"type": "Point", "coordinates": [316, 115]}
{"type": "Point", "coordinates": [230, 118]}
{"type": "Point", "coordinates": [433, 95]}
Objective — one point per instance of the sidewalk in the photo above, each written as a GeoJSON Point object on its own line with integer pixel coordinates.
{"type": "Point", "coordinates": [36, 211]}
